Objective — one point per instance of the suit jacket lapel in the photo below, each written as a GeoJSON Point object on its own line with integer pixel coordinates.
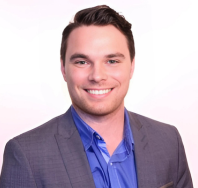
{"type": "Point", "coordinates": [145, 165]}
{"type": "Point", "coordinates": [75, 159]}
{"type": "Point", "coordinates": [73, 154]}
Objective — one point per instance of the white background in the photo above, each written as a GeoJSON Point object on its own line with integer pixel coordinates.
{"type": "Point", "coordinates": [165, 82]}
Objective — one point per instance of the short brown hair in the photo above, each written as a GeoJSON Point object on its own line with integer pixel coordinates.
{"type": "Point", "coordinates": [100, 16]}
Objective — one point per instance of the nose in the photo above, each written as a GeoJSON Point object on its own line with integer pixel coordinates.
{"type": "Point", "coordinates": [97, 72]}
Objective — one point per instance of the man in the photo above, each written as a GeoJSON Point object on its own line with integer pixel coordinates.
{"type": "Point", "coordinates": [97, 142]}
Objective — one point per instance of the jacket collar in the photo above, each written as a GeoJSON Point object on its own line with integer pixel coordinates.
{"type": "Point", "coordinates": [75, 159]}
{"type": "Point", "coordinates": [145, 164]}
{"type": "Point", "coordinates": [72, 152]}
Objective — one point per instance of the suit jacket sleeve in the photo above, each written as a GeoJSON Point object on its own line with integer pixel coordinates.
{"type": "Point", "coordinates": [183, 177]}
{"type": "Point", "coordinates": [16, 171]}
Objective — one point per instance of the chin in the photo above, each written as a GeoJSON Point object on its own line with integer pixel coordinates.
{"type": "Point", "coordinates": [98, 110]}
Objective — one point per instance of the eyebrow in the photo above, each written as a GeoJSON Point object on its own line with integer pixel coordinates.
{"type": "Point", "coordinates": [115, 55]}
{"type": "Point", "coordinates": [79, 55]}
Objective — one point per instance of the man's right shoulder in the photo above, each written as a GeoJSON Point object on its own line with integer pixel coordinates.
{"type": "Point", "coordinates": [45, 132]}
{"type": "Point", "coordinates": [47, 128]}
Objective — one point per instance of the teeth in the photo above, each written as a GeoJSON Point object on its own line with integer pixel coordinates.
{"type": "Point", "coordinates": [99, 92]}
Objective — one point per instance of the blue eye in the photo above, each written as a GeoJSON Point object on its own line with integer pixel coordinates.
{"type": "Point", "coordinates": [81, 62]}
{"type": "Point", "coordinates": [112, 61]}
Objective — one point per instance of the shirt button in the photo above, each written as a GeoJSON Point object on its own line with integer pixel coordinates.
{"type": "Point", "coordinates": [98, 137]}
{"type": "Point", "coordinates": [111, 164]}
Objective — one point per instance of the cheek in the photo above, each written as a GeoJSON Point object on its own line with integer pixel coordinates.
{"type": "Point", "coordinates": [75, 77]}
{"type": "Point", "coordinates": [122, 75]}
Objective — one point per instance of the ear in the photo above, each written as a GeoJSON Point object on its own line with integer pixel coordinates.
{"type": "Point", "coordinates": [132, 67]}
{"type": "Point", "coordinates": [63, 70]}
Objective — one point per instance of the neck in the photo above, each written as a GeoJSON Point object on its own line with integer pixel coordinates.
{"type": "Point", "coordinates": [110, 126]}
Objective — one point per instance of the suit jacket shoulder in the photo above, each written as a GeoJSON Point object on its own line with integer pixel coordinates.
{"type": "Point", "coordinates": [51, 155]}
{"type": "Point", "coordinates": [160, 154]}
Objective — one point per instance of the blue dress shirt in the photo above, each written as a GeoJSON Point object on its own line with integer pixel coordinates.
{"type": "Point", "coordinates": [116, 171]}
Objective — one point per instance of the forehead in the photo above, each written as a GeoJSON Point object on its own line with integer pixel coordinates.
{"type": "Point", "coordinates": [96, 40]}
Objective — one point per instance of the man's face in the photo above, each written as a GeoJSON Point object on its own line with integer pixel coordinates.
{"type": "Point", "coordinates": [97, 69]}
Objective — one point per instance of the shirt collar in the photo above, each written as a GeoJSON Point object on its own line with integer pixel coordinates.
{"type": "Point", "coordinates": [128, 136]}
{"type": "Point", "coordinates": [87, 133]}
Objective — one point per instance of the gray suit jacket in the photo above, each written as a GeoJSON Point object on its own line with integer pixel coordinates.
{"type": "Point", "coordinates": [52, 156]}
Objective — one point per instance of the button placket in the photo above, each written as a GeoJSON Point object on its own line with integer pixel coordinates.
{"type": "Point", "coordinates": [97, 137]}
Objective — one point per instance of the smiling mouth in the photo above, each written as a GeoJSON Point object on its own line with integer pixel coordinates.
{"type": "Point", "coordinates": [98, 92]}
